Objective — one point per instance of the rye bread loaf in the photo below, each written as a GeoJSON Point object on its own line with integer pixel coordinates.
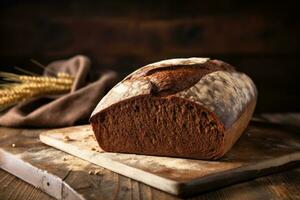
{"type": "Point", "coordinates": [194, 108]}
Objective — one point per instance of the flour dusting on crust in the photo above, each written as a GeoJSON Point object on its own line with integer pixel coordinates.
{"type": "Point", "coordinates": [224, 93]}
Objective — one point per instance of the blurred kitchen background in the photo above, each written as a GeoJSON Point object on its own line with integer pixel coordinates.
{"type": "Point", "coordinates": [260, 38]}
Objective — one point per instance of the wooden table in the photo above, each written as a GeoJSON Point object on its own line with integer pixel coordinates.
{"type": "Point", "coordinates": [284, 185]}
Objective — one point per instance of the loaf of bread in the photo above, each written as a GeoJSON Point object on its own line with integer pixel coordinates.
{"type": "Point", "coordinates": [193, 108]}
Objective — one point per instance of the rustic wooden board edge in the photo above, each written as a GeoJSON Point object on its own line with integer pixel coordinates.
{"type": "Point", "coordinates": [240, 174]}
{"type": "Point", "coordinates": [153, 180]}
{"type": "Point", "coordinates": [43, 180]}
{"type": "Point", "coordinates": [176, 188]}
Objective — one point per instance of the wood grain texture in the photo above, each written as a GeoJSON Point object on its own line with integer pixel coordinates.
{"type": "Point", "coordinates": [14, 188]}
{"type": "Point", "coordinates": [279, 186]}
{"type": "Point", "coordinates": [73, 171]}
{"type": "Point", "coordinates": [150, 37]}
{"type": "Point", "coordinates": [258, 151]}
{"type": "Point", "coordinates": [257, 36]}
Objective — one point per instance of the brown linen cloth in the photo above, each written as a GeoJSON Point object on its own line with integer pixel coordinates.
{"type": "Point", "coordinates": [62, 110]}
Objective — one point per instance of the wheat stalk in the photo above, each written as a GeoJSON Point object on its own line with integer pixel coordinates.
{"type": "Point", "coordinates": [22, 87]}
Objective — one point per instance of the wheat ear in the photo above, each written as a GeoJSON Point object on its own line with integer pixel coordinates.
{"type": "Point", "coordinates": [22, 87]}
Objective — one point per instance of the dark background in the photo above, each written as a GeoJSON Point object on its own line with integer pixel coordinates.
{"type": "Point", "coordinates": [260, 38]}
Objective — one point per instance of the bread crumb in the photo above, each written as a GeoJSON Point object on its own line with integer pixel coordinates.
{"type": "Point", "coordinates": [91, 172]}
{"type": "Point", "coordinates": [88, 136]}
{"type": "Point", "coordinates": [67, 138]}
{"type": "Point", "coordinates": [97, 173]}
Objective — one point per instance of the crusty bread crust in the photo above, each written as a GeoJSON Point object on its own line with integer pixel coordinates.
{"type": "Point", "coordinates": [172, 97]}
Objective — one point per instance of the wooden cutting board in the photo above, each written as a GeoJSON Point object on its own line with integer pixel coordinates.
{"type": "Point", "coordinates": [258, 152]}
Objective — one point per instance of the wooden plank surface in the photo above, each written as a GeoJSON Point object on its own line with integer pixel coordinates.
{"type": "Point", "coordinates": [150, 37]}
{"type": "Point", "coordinates": [258, 151]}
{"type": "Point", "coordinates": [40, 158]}
{"type": "Point", "coordinates": [12, 187]}
{"type": "Point", "coordinates": [69, 170]}
{"type": "Point", "coordinates": [284, 185]}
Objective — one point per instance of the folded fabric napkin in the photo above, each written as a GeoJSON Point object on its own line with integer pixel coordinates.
{"type": "Point", "coordinates": [69, 109]}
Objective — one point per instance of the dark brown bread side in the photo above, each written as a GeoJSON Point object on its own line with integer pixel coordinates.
{"type": "Point", "coordinates": [194, 108]}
